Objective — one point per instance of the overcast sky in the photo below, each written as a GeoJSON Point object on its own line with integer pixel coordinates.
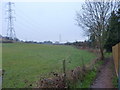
{"type": "Point", "coordinates": [43, 21]}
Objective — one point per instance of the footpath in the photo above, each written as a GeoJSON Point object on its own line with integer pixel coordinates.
{"type": "Point", "coordinates": [104, 77]}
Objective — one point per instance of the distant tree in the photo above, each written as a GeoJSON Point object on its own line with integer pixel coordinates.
{"type": "Point", "coordinates": [47, 42]}
{"type": "Point", "coordinates": [76, 43]}
{"type": "Point", "coordinates": [94, 19]}
{"type": "Point", "coordinates": [68, 43]}
{"type": "Point", "coordinates": [16, 39]}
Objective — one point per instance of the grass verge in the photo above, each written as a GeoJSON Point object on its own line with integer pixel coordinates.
{"type": "Point", "coordinates": [115, 81]}
{"type": "Point", "coordinates": [89, 77]}
{"type": "Point", "coordinates": [114, 78]}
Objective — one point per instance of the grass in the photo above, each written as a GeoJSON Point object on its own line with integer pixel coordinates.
{"type": "Point", "coordinates": [24, 63]}
{"type": "Point", "coordinates": [108, 54]}
{"type": "Point", "coordinates": [115, 81]}
{"type": "Point", "coordinates": [114, 78]}
{"type": "Point", "coordinates": [89, 77]}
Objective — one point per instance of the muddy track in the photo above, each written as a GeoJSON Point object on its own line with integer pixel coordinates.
{"type": "Point", "coordinates": [104, 77]}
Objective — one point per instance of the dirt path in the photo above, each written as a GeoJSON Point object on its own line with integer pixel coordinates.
{"type": "Point", "coordinates": [104, 78]}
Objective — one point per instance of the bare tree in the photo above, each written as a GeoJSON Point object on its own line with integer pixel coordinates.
{"type": "Point", "coordinates": [94, 19]}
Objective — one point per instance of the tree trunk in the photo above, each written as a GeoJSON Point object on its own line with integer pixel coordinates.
{"type": "Point", "coordinates": [102, 55]}
{"type": "Point", "coordinates": [101, 48]}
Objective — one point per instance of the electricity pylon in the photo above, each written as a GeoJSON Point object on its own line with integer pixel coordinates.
{"type": "Point", "coordinates": [10, 28]}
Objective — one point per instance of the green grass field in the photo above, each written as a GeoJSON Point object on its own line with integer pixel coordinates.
{"type": "Point", "coordinates": [24, 63]}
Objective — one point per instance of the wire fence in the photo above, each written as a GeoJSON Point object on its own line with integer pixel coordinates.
{"type": "Point", "coordinates": [116, 57]}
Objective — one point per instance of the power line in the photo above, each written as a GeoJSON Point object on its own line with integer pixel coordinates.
{"type": "Point", "coordinates": [27, 18]}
